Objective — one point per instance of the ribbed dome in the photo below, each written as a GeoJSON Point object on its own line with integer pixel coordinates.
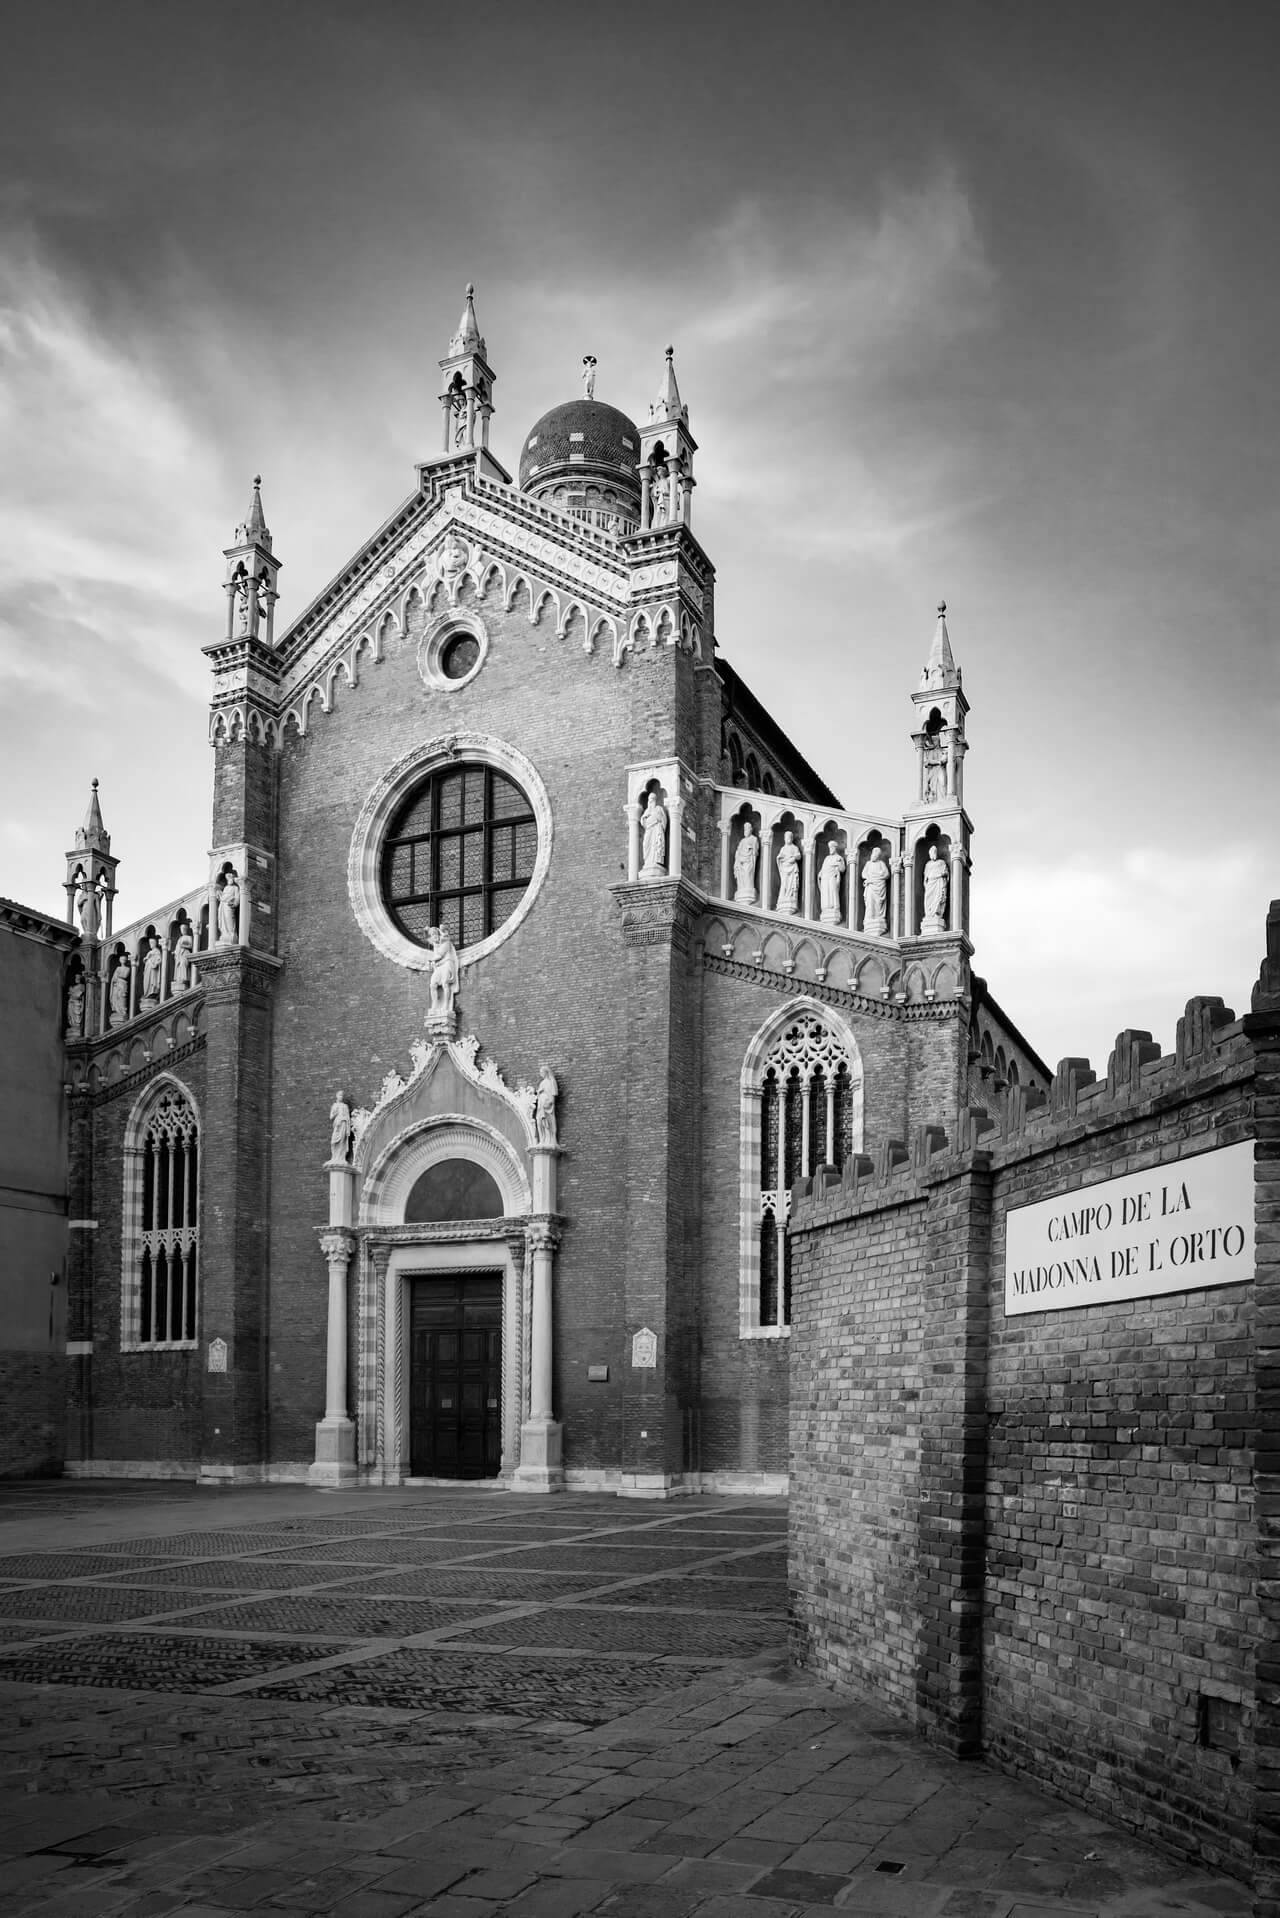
{"type": "Point", "coordinates": [580, 433]}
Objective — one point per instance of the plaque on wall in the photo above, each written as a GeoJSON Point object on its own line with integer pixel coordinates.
{"type": "Point", "coordinates": [217, 1355]}
{"type": "Point", "coordinates": [644, 1350]}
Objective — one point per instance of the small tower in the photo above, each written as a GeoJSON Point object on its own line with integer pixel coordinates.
{"type": "Point", "coordinates": [252, 571]}
{"type": "Point", "coordinates": [466, 397]}
{"type": "Point", "coordinates": [667, 448]}
{"type": "Point", "coordinates": [91, 874]}
{"type": "Point", "coordinates": [941, 828]}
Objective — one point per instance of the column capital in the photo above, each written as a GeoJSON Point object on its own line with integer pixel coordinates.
{"type": "Point", "coordinates": [336, 1242]}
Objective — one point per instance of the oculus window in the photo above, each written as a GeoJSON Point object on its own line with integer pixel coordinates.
{"type": "Point", "coordinates": [459, 852]}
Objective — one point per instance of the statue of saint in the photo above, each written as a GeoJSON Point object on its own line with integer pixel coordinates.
{"type": "Point", "coordinates": [660, 497]}
{"type": "Point", "coordinates": [745, 861]}
{"type": "Point", "coordinates": [653, 825]}
{"type": "Point", "coordinates": [152, 972]}
{"type": "Point", "coordinates": [588, 376]}
{"type": "Point", "coordinates": [87, 907]}
{"type": "Point", "coordinates": [118, 994]}
{"type": "Point", "coordinates": [183, 950]}
{"type": "Point", "coordinates": [875, 892]}
{"type": "Point", "coordinates": [830, 873]}
{"type": "Point", "coordinates": [442, 980]}
{"type": "Point", "coordinates": [545, 1106]}
{"type": "Point", "coordinates": [788, 864]}
{"type": "Point", "coordinates": [340, 1130]}
{"type": "Point", "coordinates": [229, 910]}
{"type": "Point", "coordinates": [75, 1008]}
{"type": "Point", "coordinates": [935, 892]}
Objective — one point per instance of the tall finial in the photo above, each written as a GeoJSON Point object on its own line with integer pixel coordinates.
{"type": "Point", "coordinates": [93, 834]}
{"type": "Point", "coordinates": [253, 529]}
{"type": "Point", "coordinates": [941, 669]}
{"type": "Point", "coordinates": [467, 338]}
{"type": "Point", "coordinates": [668, 406]}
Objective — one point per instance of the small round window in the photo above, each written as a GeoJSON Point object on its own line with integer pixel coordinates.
{"type": "Point", "coordinates": [459, 656]}
{"type": "Point", "coordinates": [459, 853]}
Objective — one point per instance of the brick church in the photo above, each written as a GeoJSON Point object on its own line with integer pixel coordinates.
{"type": "Point", "coordinates": [446, 1128]}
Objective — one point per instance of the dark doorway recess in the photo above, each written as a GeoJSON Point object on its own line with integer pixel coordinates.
{"type": "Point", "coordinates": [455, 1376]}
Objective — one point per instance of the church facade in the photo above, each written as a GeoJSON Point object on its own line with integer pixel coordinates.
{"type": "Point", "coordinates": [447, 1126]}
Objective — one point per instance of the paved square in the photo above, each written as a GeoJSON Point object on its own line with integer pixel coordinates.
{"type": "Point", "coordinates": [381, 1704]}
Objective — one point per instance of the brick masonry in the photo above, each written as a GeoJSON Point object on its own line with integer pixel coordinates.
{"type": "Point", "coordinates": [1034, 1536]}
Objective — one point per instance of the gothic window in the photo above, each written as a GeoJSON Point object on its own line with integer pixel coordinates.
{"type": "Point", "coordinates": [459, 853]}
{"type": "Point", "coordinates": [802, 1108]}
{"type": "Point", "coordinates": [161, 1210]}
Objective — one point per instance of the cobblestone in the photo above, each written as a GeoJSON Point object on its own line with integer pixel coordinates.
{"type": "Point", "coordinates": [648, 1756]}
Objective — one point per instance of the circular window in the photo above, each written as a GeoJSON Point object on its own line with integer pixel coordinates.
{"type": "Point", "coordinates": [452, 651]}
{"type": "Point", "coordinates": [459, 853]}
{"type": "Point", "coordinates": [459, 656]}
{"type": "Point", "coordinates": [456, 834]}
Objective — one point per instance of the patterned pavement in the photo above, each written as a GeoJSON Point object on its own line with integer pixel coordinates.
{"type": "Point", "coordinates": [461, 1702]}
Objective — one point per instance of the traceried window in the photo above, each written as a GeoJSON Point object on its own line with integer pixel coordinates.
{"type": "Point", "coordinates": [802, 1108]}
{"type": "Point", "coordinates": [162, 1185]}
{"type": "Point", "coordinates": [459, 853]}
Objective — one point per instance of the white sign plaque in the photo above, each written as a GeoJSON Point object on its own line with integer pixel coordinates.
{"type": "Point", "coordinates": [217, 1355]}
{"type": "Point", "coordinates": [644, 1350]}
{"type": "Point", "coordinates": [1173, 1229]}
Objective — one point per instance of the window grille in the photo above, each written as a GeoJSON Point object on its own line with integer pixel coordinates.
{"type": "Point", "coordinates": [459, 854]}
{"type": "Point", "coordinates": [162, 1174]}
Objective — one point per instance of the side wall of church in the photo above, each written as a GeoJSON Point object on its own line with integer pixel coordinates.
{"type": "Point", "coordinates": [560, 989]}
{"type": "Point", "coordinates": [33, 1205]}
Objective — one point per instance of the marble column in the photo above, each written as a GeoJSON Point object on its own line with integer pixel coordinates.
{"type": "Point", "coordinates": [541, 1435]}
{"type": "Point", "coordinates": [633, 841]}
{"type": "Point", "coordinates": [335, 1460]}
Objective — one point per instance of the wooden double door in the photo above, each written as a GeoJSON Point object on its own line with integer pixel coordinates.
{"type": "Point", "coordinates": [455, 1375]}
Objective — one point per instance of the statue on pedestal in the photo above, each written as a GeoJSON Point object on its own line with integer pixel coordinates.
{"type": "Point", "coordinates": [653, 825]}
{"type": "Point", "coordinates": [340, 1131]}
{"type": "Point", "coordinates": [875, 893]}
{"type": "Point", "coordinates": [935, 893]}
{"type": "Point", "coordinates": [788, 864]}
{"type": "Point", "coordinates": [830, 874]}
{"type": "Point", "coordinates": [75, 1009]}
{"type": "Point", "coordinates": [442, 979]}
{"type": "Point", "coordinates": [152, 972]}
{"type": "Point", "coordinates": [229, 910]}
{"type": "Point", "coordinates": [745, 861]}
{"type": "Point", "coordinates": [183, 951]}
{"type": "Point", "coordinates": [119, 991]}
{"type": "Point", "coordinates": [545, 1107]}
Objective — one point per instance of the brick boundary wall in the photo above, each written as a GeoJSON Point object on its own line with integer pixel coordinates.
{"type": "Point", "coordinates": [1051, 1539]}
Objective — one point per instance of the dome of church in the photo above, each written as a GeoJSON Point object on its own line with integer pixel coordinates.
{"type": "Point", "coordinates": [582, 457]}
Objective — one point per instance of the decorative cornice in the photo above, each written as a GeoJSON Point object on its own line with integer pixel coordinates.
{"type": "Point", "coordinates": [229, 973]}
{"type": "Point", "coordinates": [513, 1228]}
{"type": "Point", "coordinates": [27, 923]}
{"type": "Point", "coordinates": [659, 912]}
{"type": "Point", "coordinates": [130, 1081]}
{"type": "Point", "coordinates": [425, 1053]}
{"type": "Point", "coordinates": [789, 984]}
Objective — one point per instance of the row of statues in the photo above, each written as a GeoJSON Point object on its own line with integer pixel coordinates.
{"type": "Point", "coordinates": [120, 984]}
{"type": "Point", "coordinates": [875, 882]}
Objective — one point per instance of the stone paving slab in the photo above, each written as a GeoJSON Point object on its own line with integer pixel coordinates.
{"type": "Point", "coordinates": [627, 1740]}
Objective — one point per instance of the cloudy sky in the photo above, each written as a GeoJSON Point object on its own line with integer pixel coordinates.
{"type": "Point", "coordinates": [968, 301]}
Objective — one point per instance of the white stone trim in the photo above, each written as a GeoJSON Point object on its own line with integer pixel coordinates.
{"type": "Point", "coordinates": [387, 1185]}
{"type": "Point", "coordinates": [131, 1234]}
{"type": "Point", "coordinates": [451, 625]}
{"type": "Point", "coordinates": [375, 815]}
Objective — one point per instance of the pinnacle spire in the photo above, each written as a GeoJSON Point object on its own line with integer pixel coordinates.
{"type": "Point", "coordinates": [253, 530]}
{"type": "Point", "coordinates": [467, 337]}
{"type": "Point", "coordinates": [941, 669]}
{"type": "Point", "coordinates": [668, 405]}
{"type": "Point", "coordinates": [93, 835]}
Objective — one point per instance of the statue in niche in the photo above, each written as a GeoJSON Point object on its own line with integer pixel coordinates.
{"type": "Point", "coordinates": [588, 376]}
{"type": "Point", "coordinates": [229, 910]}
{"type": "Point", "coordinates": [119, 991]}
{"type": "Point", "coordinates": [340, 1131]}
{"type": "Point", "coordinates": [653, 826]}
{"type": "Point", "coordinates": [745, 861]}
{"type": "Point", "coordinates": [660, 497]}
{"type": "Point", "coordinates": [87, 907]}
{"type": "Point", "coordinates": [788, 864]}
{"type": "Point", "coordinates": [75, 1008]}
{"type": "Point", "coordinates": [544, 1110]}
{"type": "Point", "coordinates": [875, 892]}
{"type": "Point", "coordinates": [830, 873]}
{"type": "Point", "coordinates": [152, 972]}
{"type": "Point", "coordinates": [935, 892]}
{"type": "Point", "coordinates": [183, 951]}
{"type": "Point", "coordinates": [442, 978]}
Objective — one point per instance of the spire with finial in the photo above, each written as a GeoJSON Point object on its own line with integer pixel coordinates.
{"type": "Point", "coordinates": [940, 668]}
{"type": "Point", "coordinates": [252, 571]}
{"type": "Point", "coordinates": [668, 406]}
{"type": "Point", "coordinates": [466, 402]}
{"type": "Point", "coordinates": [255, 525]}
{"type": "Point", "coordinates": [93, 835]}
{"type": "Point", "coordinates": [667, 448]}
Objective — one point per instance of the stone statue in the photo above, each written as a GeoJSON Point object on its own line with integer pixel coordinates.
{"type": "Point", "coordinates": [788, 864]}
{"type": "Point", "coordinates": [119, 992]}
{"type": "Point", "coordinates": [875, 892]}
{"type": "Point", "coordinates": [229, 910]}
{"type": "Point", "coordinates": [87, 907]}
{"type": "Point", "coordinates": [340, 1130]}
{"type": "Point", "coordinates": [545, 1107]}
{"type": "Point", "coordinates": [152, 972]}
{"type": "Point", "coordinates": [653, 825]}
{"type": "Point", "coordinates": [935, 893]}
{"type": "Point", "coordinates": [588, 376]}
{"type": "Point", "coordinates": [830, 873]}
{"type": "Point", "coordinates": [660, 497]}
{"type": "Point", "coordinates": [75, 1008]}
{"type": "Point", "coordinates": [183, 951]}
{"type": "Point", "coordinates": [442, 980]}
{"type": "Point", "coordinates": [745, 861]}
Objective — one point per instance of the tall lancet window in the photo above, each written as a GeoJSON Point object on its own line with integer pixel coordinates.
{"type": "Point", "coordinates": [162, 1227]}
{"type": "Point", "coordinates": [801, 1109]}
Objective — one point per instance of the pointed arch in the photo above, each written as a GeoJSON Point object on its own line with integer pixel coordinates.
{"type": "Point", "coordinates": [800, 1106]}
{"type": "Point", "coordinates": [160, 1216]}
